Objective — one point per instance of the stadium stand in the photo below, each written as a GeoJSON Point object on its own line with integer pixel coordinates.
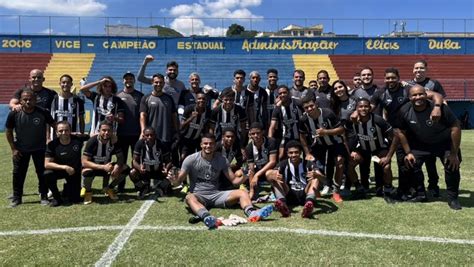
{"type": "Point", "coordinates": [15, 69]}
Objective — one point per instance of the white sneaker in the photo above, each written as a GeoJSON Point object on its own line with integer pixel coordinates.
{"type": "Point", "coordinates": [326, 191]}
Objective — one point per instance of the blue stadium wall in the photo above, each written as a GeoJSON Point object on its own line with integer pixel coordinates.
{"type": "Point", "coordinates": [181, 47]}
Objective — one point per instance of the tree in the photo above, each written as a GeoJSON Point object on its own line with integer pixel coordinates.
{"type": "Point", "coordinates": [235, 30]}
{"type": "Point", "coordinates": [166, 32]}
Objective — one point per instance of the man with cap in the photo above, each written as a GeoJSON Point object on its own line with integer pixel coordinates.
{"type": "Point", "coordinates": [128, 132]}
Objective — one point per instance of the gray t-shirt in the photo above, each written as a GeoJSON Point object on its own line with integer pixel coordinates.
{"type": "Point", "coordinates": [204, 175]}
{"type": "Point", "coordinates": [161, 112]}
{"type": "Point", "coordinates": [131, 124]}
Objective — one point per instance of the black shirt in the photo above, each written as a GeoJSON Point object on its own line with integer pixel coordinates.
{"type": "Point", "coordinates": [44, 97]}
{"type": "Point", "coordinates": [423, 133]}
{"type": "Point", "coordinates": [391, 100]}
{"type": "Point", "coordinates": [69, 154]}
{"type": "Point", "coordinates": [261, 156]}
{"type": "Point", "coordinates": [153, 157]}
{"type": "Point", "coordinates": [99, 152]}
{"type": "Point", "coordinates": [30, 128]}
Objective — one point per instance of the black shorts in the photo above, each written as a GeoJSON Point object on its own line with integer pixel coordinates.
{"type": "Point", "coordinates": [296, 198]}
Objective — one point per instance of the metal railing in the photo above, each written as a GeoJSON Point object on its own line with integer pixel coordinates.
{"type": "Point", "coordinates": [80, 26]}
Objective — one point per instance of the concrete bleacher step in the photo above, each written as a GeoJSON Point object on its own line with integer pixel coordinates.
{"type": "Point", "coordinates": [76, 65]}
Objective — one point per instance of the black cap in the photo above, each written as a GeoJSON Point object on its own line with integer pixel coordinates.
{"type": "Point", "coordinates": [128, 73]}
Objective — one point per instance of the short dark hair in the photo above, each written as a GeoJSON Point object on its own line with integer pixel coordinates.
{"type": "Point", "coordinates": [228, 129]}
{"type": "Point", "coordinates": [308, 98]}
{"type": "Point", "coordinates": [323, 71]}
{"type": "Point", "coordinates": [362, 99]}
{"type": "Point", "coordinates": [228, 92]}
{"type": "Point", "coordinates": [313, 81]}
{"type": "Point", "coordinates": [392, 70]}
{"type": "Point", "coordinates": [239, 71]}
{"type": "Point", "coordinates": [149, 128]}
{"type": "Point", "coordinates": [284, 87]}
{"type": "Point", "coordinates": [272, 71]}
{"type": "Point", "coordinates": [209, 136]}
{"type": "Point", "coordinates": [422, 61]}
{"type": "Point", "coordinates": [64, 122]}
{"type": "Point", "coordinates": [256, 125]}
{"type": "Point", "coordinates": [128, 74]}
{"type": "Point", "coordinates": [172, 64]}
{"type": "Point", "coordinates": [367, 68]}
{"type": "Point", "coordinates": [159, 75]}
{"type": "Point", "coordinates": [67, 76]}
{"type": "Point", "coordinates": [293, 144]}
{"type": "Point", "coordinates": [105, 122]}
{"type": "Point", "coordinates": [300, 71]}
{"type": "Point", "coordinates": [357, 73]}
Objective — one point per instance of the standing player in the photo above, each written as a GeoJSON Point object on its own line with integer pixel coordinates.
{"type": "Point", "coordinates": [44, 96]}
{"type": "Point", "coordinates": [189, 96]}
{"type": "Point", "coordinates": [106, 106]}
{"type": "Point", "coordinates": [421, 138]}
{"type": "Point", "coordinates": [204, 169]}
{"type": "Point", "coordinates": [129, 131]}
{"type": "Point", "coordinates": [97, 161]}
{"type": "Point", "coordinates": [419, 70]}
{"type": "Point", "coordinates": [158, 110]}
{"type": "Point", "coordinates": [272, 91]}
{"type": "Point", "coordinates": [320, 134]}
{"type": "Point", "coordinates": [229, 115]}
{"type": "Point", "coordinates": [63, 160]}
{"type": "Point", "coordinates": [172, 86]}
{"type": "Point", "coordinates": [298, 90]}
{"type": "Point", "coordinates": [285, 119]}
{"type": "Point", "coordinates": [68, 107]}
{"type": "Point", "coordinates": [196, 121]}
{"type": "Point", "coordinates": [26, 131]}
{"type": "Point", "coordinates": [260, 100]}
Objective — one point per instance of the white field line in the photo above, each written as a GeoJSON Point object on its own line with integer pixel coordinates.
{"type": "Point", "coordinates": [247, 229]}
{"type": "Point", "coordinates": [114, 249]}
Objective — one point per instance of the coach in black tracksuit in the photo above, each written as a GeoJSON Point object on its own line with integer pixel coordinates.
{"type": "Point", "coordinates": [421, 137]}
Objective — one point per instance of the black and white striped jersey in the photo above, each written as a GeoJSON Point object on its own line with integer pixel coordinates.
{"type": "Point", "coordinates": [151, 156]}
{"type": "Point", "coordinates": [372, 135]}
{"type": "Point", "coordinates": [326, 120]}
{"type": "Point", "coordinates": [287, 117]}
{"type": "Point", "coordinates": [198, 124]}
{"type": "Point", "coordinates": [67, 109]}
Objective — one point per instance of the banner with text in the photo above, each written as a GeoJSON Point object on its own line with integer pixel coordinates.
{"type": "Point", "coordinates": [209, 45]}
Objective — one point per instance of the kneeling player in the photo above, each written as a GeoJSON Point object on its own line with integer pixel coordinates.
{"type": "Point", "coordinates": [97, 161]}
{"type": "Point", "coordinates": [370, 136]}
{"type": "Point", "coordinates": [150, 161]}
{"type": "Point", "coordinates": [300, 178]}
{"type": "Point", "coordinates": [204, 168]}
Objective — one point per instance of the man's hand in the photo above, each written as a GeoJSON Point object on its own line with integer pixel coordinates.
{"type": "Point", "coordinates": [70, 170]}
{"type": "Point", "coordinates": [452, 160]}
{"type": "Point", "coordinates": [16, 154]}
{"type": "Point", "coordinates": [16, 108]}
{"type": "Point", "coordinates": [108, 168]}
{"type": "Point", "coordinates": [115, 170]}
{"type": "Point", "coordinates": [149, 58]}
{"type": "Point", "coordinates": [142, 169]}
{"type": "Point", "coordinates": [410, 160]}
{"type": "Point", "coordinates": [384, 161]}
{"type": "Point", "coordinates": [435, 114]}
{"type": "Point", "coordinates": [309, 157]}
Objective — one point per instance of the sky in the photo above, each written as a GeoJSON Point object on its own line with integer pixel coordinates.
{"type": "Point", "coordinates": [212, 17]}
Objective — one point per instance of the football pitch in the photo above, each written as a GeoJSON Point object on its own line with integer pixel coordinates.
{"type": "Point", "coordinates": [149, 232]}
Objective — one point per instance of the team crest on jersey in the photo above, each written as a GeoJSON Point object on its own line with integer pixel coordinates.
{"type": "Point", "coordinates": [75, 148]}
{"type": "Point", "coordinates": [295, 110]}
{"type": "Point", "coordinates": [325, 125]}
{"type": "Point", "coordinates": [234, 117]}
{"type": "Point", "coordinates": [400, 99]}
{"type": "Point", "coordinates": [36, 121]}
{"type": "Point", "coordinates": [158, 153]}
{"type": "Point", "coordinates": [429, 123]}
{"type": "Point", "coordinates": [350, 106]}
{"type": "Point", "coordinates": [372, 129]}
{"type": "Point", "coordinates": [110, 149]}
{"type": "Point", "coordinates": [110, 106]}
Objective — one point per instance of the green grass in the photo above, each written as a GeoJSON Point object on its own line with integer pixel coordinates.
{"type": "Point", "coordinates": [197, 246]}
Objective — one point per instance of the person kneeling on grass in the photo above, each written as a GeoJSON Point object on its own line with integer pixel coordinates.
{"type": "Point", "coordinates": [204, 168]}
{"type": "Point", "coordinates": [97, 161]}
{"type": "Point", "coordinates": [370, 136]}
{"type": "Point", "coordinates": [150, 161]}
{"type": "Point", "coordinates": [299, 179]}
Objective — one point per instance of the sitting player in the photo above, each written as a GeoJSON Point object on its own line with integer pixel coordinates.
{"type": "Point", "coordinates": [299, 179]}
{"type": "Point", "coordinates": [204, 168]}
{"type": "Point", "coordinates": [150, 161]}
